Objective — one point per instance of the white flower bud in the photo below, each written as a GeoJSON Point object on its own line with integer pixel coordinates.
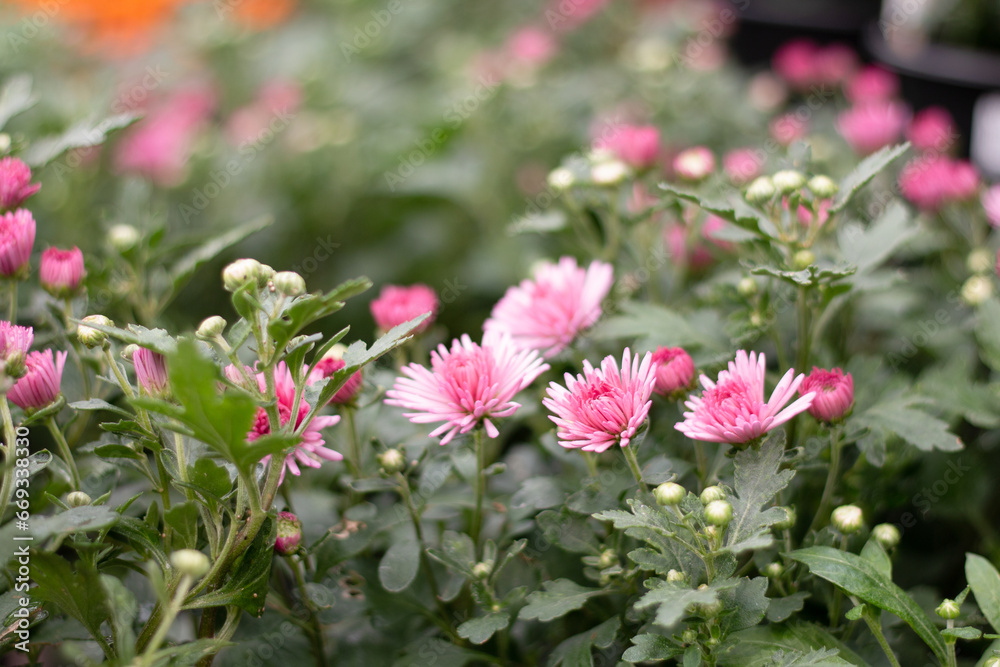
{"type": "Point", "coordinates": [211, 327]}
{"type": "Point", "coordinates": [760, 191]}
{"type": "Point", "coordinates": [93, 337]}
{"type": "Point", "coordinates": [747, 287]}
{"type": "Point", "coordinates": [719, 513]}
{"type": "Point", "coordinates": [788, 181]}
{"type": "Point", "coordinates": [561, 179]}
{"type": "Point", "coordinates": [669, 493]}
{"type": "Point", "coordinates": [481, 570]}
{"type": "Point", "coordinates": [823, 186]}
{"type": "Point", "coordinates": [788, 521]}
{"type": "Point", "coordinates": [712, 493]}
{"type": "Point", "coordinates": [609, 173]}
{"type": "Point", "coordinates": [241, 272]}
{"type": "Point", "coordinates": [289, 283]}
{"type": "Point", "coordinates": [4, 142]}
{"type": "Point", "coordinates": [78, 499]}
{"type": "Point", "coordinates": [977, 290]}
{"type": "Point", "coordinates": [980, 261]}
{"type": "Point", "coordinates": [607, 559]}
{"type": "Point", "coordinates": [392, 461]}
{"type": "Point", "coordinates": [948, 610]}
{"type": "Point", "coordinates": [847, 519]}
{"type": "Point", "coordinates": [123, 237]}
{"type": "Point", "coordinates": [190, 562]}
{"type": "Point", "coordinates": [887, 535]}
{"type": "Point", "coordinates": [774, 570]}
{"type": "Point", "coordinates": [676, 577]}
{"type": "Point", "coordinates": [803, 259]}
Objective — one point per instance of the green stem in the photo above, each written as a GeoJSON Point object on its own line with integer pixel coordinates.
{"type": "Point", "coordinates": [425, 564]}
{"type": "Point", "coordinates": [831, 480]}
{"type": "Point", "coordinates": [633, 464]}
{"type": "Point", "coordinates": [804, 339]}
{"type": "Point", "coordinates": [354, 462]}
{"type": "Point", "coordinates": [64, 452]}
{"type": "Point", "coordinates": [12, 311]}
{"type": "Point", "coordinates": [7, 488]}
{"type": "Point", "coordinates": [702, 459]}
{"type": "Point", "coordinates": [876, 629]}
{"type": "Point", "coordinates": [316, 630]}
{"type": "Point", "coordinates": [174, 608]}
{"type": "Point", "coordinates": [591, 461]}
{"type": "Point", "coordinates": [477, 516]}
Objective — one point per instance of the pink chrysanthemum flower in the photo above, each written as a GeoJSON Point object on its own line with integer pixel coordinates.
{"type": "Point", "coordinates": [151, 372]}
{"type": "Point", "coordinates": [311, 450]}
{"type": "Point", "coordinates": [742, 165]}
{"type": "Point", "coordinates": [61, 271]}
{"type": "Point", "coordinates": [397, 304]}
{"type": "Point", "coordinates": [932, 181]}
{"type": "Point", "coordinates": [795, 62]}
{"type": "Point", "coordinates": [869, 126]}
{"type": "Point", "coordinates": [40, 385]}
{"type": "Point", "coordinates": [788, 128]}
{"type": "Point", "coordinates": [932, 129]}
{"type": "Point", "coordinates": [466, 385]}
{"type": "Point", "coordinates": [531, 46]}
{"type": "Point", "coordinates": [17, 236]}
{"type": "Point", "coordinates": [674, 370]}
{"type": "Point", "coordinates": [329, 365]}
{"type": "Point", "coordinates": [15, 182]}
{"type": "Point", "coordinates": [834, 393]}
{"type": "Point", "coordinates": [14, 343]}
{"type": "Point", "coordinates": [694, 164]}
{"type": "Point", "coordinates": [733, 410]}
{"type": "Point", "coordinates": [636, 145]}
{"type": "Point", "coordinates": [605, 406]}
{"type": "Point", "coordinates": [548, 312]}
{"type": "Point", "coordinates": [872, 84]}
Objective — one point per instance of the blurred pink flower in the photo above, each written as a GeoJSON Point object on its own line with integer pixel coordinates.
{"type": "Point", "coordinates": [991, 204]}
{"type": "Point", "coordinates": [14, 342]}
{"type": "Point", "coordinates": [694, 164]}
{"type": "Point", "coordinates": [61, 271]}
{"type": "Point", "coordinates": [932, 181]}
{"type": "Point", "coordinates": [570, 14]}
{"type": "Point", "coordinates": [603, 407]}
{"type": "Point", "coordinates": [466, 385]}
{"type": "Point", "coordinates": [684, 249]}
{"type": "Point", "coordinates": [834, 393]}
{"type": "Point", "coordinates": [276, 100]}
{"type": "Point", "coordinates": [636, 145]}
{"type": "Point", "coordinates": [326, 367]}
{"type": "Point", "coordinates": [834, 63]}
{"type": "Point", "coordinates": [548, 312]}
{"type": "Point", "coordinates": [151, 372]}
{"type": "Point", "coordinates": [311, 450]}
{"type": "Point", "coordinates": [531, 46]}
{"type": "Point", "coordinates": [397, 304]}
{"type": "Point", "coordinates": [674, 370]}
{"type": "Point", "coordinates": [17, 236]}
{"type": "Point", "coordinates": [15, 182]}
{"type": "Point", "coordinates": [733, 410]}
{"type": "Point", "coordinates": [805, 215]}
{"type": "Point", "coordinates": [742, 165]}
{"type": "Point", "coordinates": [872, 84]}
{"type": "Point", "coordinates": [870, 126]}
{"type": "Point", "coordinates": [40, 385]}
{"type": "Point", "coordinates": [788, 128]}
{"type": "Point", "coordinates": [795, 62]}
{"type": "Point", "coordinates": [932, 129]}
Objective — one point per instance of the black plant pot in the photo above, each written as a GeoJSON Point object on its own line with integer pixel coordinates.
{"type": "Point", "coordinates": [955, 78]}
{"type": "Point", "coordinates": [764, 25]}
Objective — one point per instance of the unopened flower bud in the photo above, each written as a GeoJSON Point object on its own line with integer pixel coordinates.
{"type": "Point", "coordinates": [481, 570]}
{"type": "Point", "coordinates": [190, 562]}
{"type": "Point", "coordinates": [712, 493]}
{"type": "Point", "coordinates": [392, 461]}
{"type": "Point", "coordinates": [607, 559]}
{"type": "Point", "coordinates": [93, 337]}
{"type": "Point", "coordinates": [694, 164]}
{"type": "Point", "coordinates": [4, 142]}
{"type": "Point", "coordinates": [609, 173]}
{"type": "Point", "coordinates": [847, 519]}
{"type": "Point", "coordinates": [887, 535]}
{"type": "Point", "coordinates": [674, 372]}
{"type": "Point", "coordinates": [707, 609]}
{"type": "Point", "coordinates": [948, 610]}
{"type": "Point", "coordinates": [803, 259]}
{"type": "Point", "coordinates": [561, 179]}
{"type": "Point", "coordinates": [774, 570]}
{"type": "Point", "coordinates": [129, 351]}
{"type": "Point", "coordinates": [289, 534]}
{"type": "Point", "coordinates": [980, 261]}
{"type": "Point", "coordinates": [289, 283]}
{"type": "Point", "coordinates": [788, 181]}
{"type": "Point", "coordinates": [239, 273]}
{"type": "Point", "coordinates": [669, 493]}
{"type": "Point", "coordinates": [977, 290]}
{"type": "Point", "coordinates": [833, 391]}
{"type": "Point", "coordinates": [78, 499]}
{"type": "Point", "coordinates": [265, 275]}
{"type": "Point", "coordinates": [711, 532]}
{"type": "Point", "coordinates": [823, 186]}
{"type": "Point", "coordinates": [788, 521]}
{"type": "Point", "coordinates": [123, 237]}
{"type": "Point", "coordinates": [676, 577]}
{"type": "Point", "coordinates": [760, 191]}
{"type": "Point", "coordinates": [211, 327]}
{"type": "Point", "coordinates": [719, 513]}
{"type": "Point", "coordinates": [689, 636]}
{"type": "Point", "coordinates": [747, 287]}
{"type": "Point", "coordinates": [992, 662]}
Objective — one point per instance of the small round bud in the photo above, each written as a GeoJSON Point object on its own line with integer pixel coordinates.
{"type": "Point", "coordinates": [289, 283]}
{"type": "Point", "coordinates": [123, 237]}
{"type": "Point", "coordinates": [689, 636]}
{"type": "Point", "coordinates": [847, 519]}
{"type": "Point", "coordinates": [612, 172]}
{"type": "Point", "coordinates": [608, 558]}
{"type": "Point", "coordinates": [561, 179]}
{"type": "Point", "coordinates": [992, 662]}
{"type": "Point", "coordinates": [712, 493]}
{"type": "Point", "coordinates": [887, 535]}
{"type": "Point", "coordinates": [4, 142]}
{"type": "Point", "coordinates": [788, 181]}
{"type": "Point", "coordinates": [669, 493]}
{"type": "Point", "coordinates": [289, 534]}
{"type": "Point", "coordinates": [760, 191]}
{"type": "Point", "coordinates": [481, 570]}
{"type": "Point", "coordinates": [977, 290]}
{"type": "Point", "coordinates": [129, 351]}
{"type": "Point", "coordinates": [756, 320]}
{"type": "Point", "coordinates": [676, 577]}
{"type": "Point", "coordinates": [265, 275]}
{"type": "Point", "coordinates": [211, 327]}
{"type": "Point", "coordinates": [711, 532]}
{"type": "Point", "coordinates": [190, 562]}
{"type": "Point", "coordinates": [747, 287]}
{"type": "Point", "coordinates": [719, 513]}
{"type": "Point", "coordinates": [78, 499]}
{"type": "Point", "coordinates": [392, 461]}
{"type": "Point", "coordinates": [93, 337]}
{"type": "Point", "coordinates": [803, 259]}
{"type": "Point", "coordinates": [948, 610]}
{"type": "Point", "coordinates": [694, 164]}
{"type": "Point", "coordinates": [823, 186]}
{"type": "Point", "coordinates": [788, 521]}
{"type": "Point", "coordinates": [980, 261]}
{"type": "Point", "coordinates": [239, 273]}
{"type": "Point", "coordinates": [774, 570]}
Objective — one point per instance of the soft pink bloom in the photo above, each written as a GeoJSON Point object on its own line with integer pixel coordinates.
{"type": "Point", "coordinates": [397, 304]}
{"type": "Point", "coordinates": [563, 14]}
{"type": "Point", "coordinates": [869, 126]}
{"type": "Point", "coordinates": [61, 271]}
{"type": "Point", "coordinates": [326, 367]}
{"type": "Point", "coordinates": [685, 250]}
{"type": "Point", "coordinates": [742, 165]}
{"type": "Point", "coordinates": [733, 410]}
{"type": "Point", "coordinates": [604, 406]}
{"type": "Point", "coordinates": [15, 182]}
{"type": "Point", "coordinates": [932, 129]}
{"type": "Point", "coordinates": [872, 84]}
{"type": "Point", "coordinates": [795, 62]}
{"type": "Point", "coordinates": [466, 385]}
{"type": "Point", "coordinates": [833, 393]}
{"type": "Point", "coordinates": [17, 236]}
{"type": "Point", "coordinates": [233, 374]}
{"type": "Point", "coordinates": [40, 385]}
{"type": "Point", "coordinates": [548, 312]}
{"type": "Point", "coordinates": [14, 342]}
{"type": "Point", "coordinates": [151, 371]}
{"type": "Point", "coordinates": [834, 63]}
{"type": "Point", "coordinates": [311, 450]}
{"type": "Point", "coordinates": [788, 128]}
{"type": "Point", "coordinates": [991, 204]}
{"type": "Point", "coordinates": [289, 534]}
{"type": "Point", "coordinates": [710, 226]}
{"type": "Point", "coordinates": [694, 164]}
{"type": "Point", "coordinates": [275, 100]}
{"type": "Point", "coordinates": [641, 200]}
{"type": "Point", "coordinates": [531, 46]}
{"type": "Point", "coordinates": [674, 370]}
{"type": "Point", "coordinates": [636, 145]}
{"type": "Point", "coordinates": [806, 217]}
{"type": "Point", "coordinates": [933, 181]}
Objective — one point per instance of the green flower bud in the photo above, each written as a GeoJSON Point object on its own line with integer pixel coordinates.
{"type": "Point", "coordinates": [392, 461]}
{"type": "Point", "coordinates": [789, 521]}
{"type": "Point", "coordinates": [123, 237]}
{"type": "Point", "coordinates": [788, 181]}
{"type": "Point", "coordinates": [747, 287]}
{"type": "Point", "coordinates": [676, 577]}
{"type": "Point", "coordinates": [78, 499]}
{"type": "Point", "coordinates": [93, 337]}
{"type": "Point", "coordinates": [265, 276]}
{"type": "Point", "coordinates": [129, 351]}
{"type": "Point", "coordinates": [608, 558]}
{"type": "Point", "coordinates": [803, 259]}
{"type": "Point", "coordinates": [190, 562]}
{"type": "Point", "coordinates": [481, 570]}
{"type": "Point", "coordinates": [847, 519]}
{"type": "Point", "coordinates": [977, 290]}
{"type": "Point", "coordinates": [289, 283]}
{"type": "Point", "coordinates": [992, 662]}
{"type": "Point", "coordinates": [980, 261]}
{"type": "Point", "coordinates": [241, 272]}
{"type": "Point", "coordinates": [948, 610]}
{"type": "Point", "coordinates": [719, 513]}
{"type": "Point", "coordinates": [211, 327]}
{"type": "Point", "coordinates": [823, 186]}
{"type": "Point", "coordinates": [760, 191]}
{"type": "Point", "coordinates": [689, 636]}
{"type": "Point", "coordinates": [774, 570]}
{"type": "Point", "coordinates": [707, 609]}
{"type": "Point", "coordinates": [887, 535]}
{"type": "Point", "coordinates": [669, 493]}
{"type": "Point", "coordinates": [712, 493]}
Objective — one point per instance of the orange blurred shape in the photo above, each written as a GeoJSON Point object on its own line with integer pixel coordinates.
{"type": "Point", "coordinates": [260, 14]}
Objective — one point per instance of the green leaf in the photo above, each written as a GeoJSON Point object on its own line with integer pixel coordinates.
{"type": "Point", "coordinates": [99, 404]}
{"type": "Point", "coordinates": [733, 208]}
{"type": "Point", "coordinates": [208, 475]}
{"type": "Point", "coordinates": [860, 578]}
{"type": "Point", "coordinates": [577, 650]}
{"type": "Point", "coordinates": [758, 646]}
{"type": "Point", "coordinates": [962, 633]}
{"type": "Point", "coordinates": [247, 584]}
{"type": "Point", "coordinates": [457, 552]}
{"type": "Point", "coordinates": [442, 652]}
{"type": "Point", "coordinates": [867, 248]}
{"type": "Point", "coordinates": [653, 324]}
{"type": "Point", "coordinates": [897, 414]}
{"type": "Point", "coordinates": [122, 608]}
{"type": "Point", "coordinates": [116, 451]}
{"type": "Point", "coordinates": [538, 493]}
{"type": "Point", "coordinates": [780, 609]}
{"type": "Point", "coordinates": [879, 559]}
{"type": "Point", "coordinates": [988, 333]}
{"type": "Point", "coordinates": [183, 518]}
{"type": "Point", "coordinates": [749, 603]}
{"type": "Point", "coordinates": [649, 647]}
{"type": "Point", "coordinates": [570, 532]}
{"type": "Point", "coordinates": [188, 654]}
{"type": "Point", "coordinates": [78, 593]}
{"type": "Point", "coordinates": [865, 172]}
{"type": "Point", "coordinates": [558, 598]}
{"type": "Point", "coordinates": [399, 565]}
{"type": "Point", "coordinates": [984, 580]}
{"type": "Point", "coordinates": [758, 481]}
{"type": "Point", "coordinates": [673, 600]}
{"type": "Point", "coordinates": [309, 308]}
{"type": "Point", "coordinates": [15, 97]}
{"type": "Point", "coordinates": [41, 528]}
{"type": "Point", "coordinates": [83, 134]}
{"type": "Point", "coordinates": [479, 630]}
{"type": "Point", "coordinates": [141, 537]}
{"type": "Point", "coordinates": [856, 613]}
{"type": "Point", "coordinates": [206, 250]}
